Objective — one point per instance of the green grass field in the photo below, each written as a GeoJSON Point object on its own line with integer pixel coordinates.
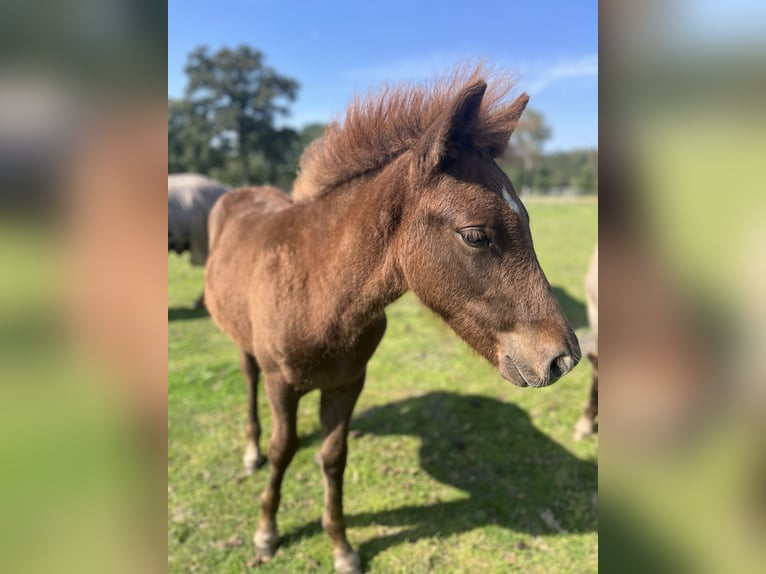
{"type": "Point", "coordinates": [451, 468]}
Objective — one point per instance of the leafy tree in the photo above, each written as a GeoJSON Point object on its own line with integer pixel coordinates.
{"type": "Point", "coordinates": [264, 170]}
{"type": "Point", "coordinates": [544, 179]}
{"type": "Point", "coordinates": [191, 145]}
{"type": "Point", "coordinates": [528, 140]}
{"type": "Point", "coordinates": [241, 98]}
{"type": "Point", "coordinates": [308, 134]}
{"type": "Point", "coordinates": [587, 179]}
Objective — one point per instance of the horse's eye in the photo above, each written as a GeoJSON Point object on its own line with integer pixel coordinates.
{"type": "Point", "coordinates": [475, 237]}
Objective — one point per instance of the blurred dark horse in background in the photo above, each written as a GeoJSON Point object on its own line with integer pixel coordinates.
{"type": "Point", "coordinates": [405, 195]}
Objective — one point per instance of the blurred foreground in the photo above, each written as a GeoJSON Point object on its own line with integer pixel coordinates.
{"type": "Point", "coordinates": [683, 245]}
{"type": "Point", "coordinates": [82, 287]}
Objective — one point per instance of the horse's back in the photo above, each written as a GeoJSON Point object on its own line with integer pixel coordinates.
{"type": "Point", "coordinates": [248, 205]}
{"type": "Point", "coordinates": [234, 243]}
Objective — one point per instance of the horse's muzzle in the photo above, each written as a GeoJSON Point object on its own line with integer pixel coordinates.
{"type": "Point", "coordinates": [537, 365]}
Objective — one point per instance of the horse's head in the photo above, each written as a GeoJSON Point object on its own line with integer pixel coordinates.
{"type": "Point", "coordinates": [466, 248]}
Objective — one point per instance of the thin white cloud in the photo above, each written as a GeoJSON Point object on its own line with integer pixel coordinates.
{"type": "Point", "coordinates": [534, 77]}
{"type": "Point", "coordinates": [538, 75]}
{"type": "Point", "coordinates": [580, 68]}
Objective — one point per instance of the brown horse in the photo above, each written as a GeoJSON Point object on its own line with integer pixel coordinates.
{"type": "Point", "coordinates": [405, 195]}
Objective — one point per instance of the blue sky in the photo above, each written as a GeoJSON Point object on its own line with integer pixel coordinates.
{"type": "Point", "coordinates": [336, 48]}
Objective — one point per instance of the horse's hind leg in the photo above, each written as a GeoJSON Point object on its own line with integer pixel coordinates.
{"type": "Point", "coordinates": [253, 458]}
{"type": "Point", "coordinates": [336, 408]}
{"type": "Point", "coordinates": [284, 442]}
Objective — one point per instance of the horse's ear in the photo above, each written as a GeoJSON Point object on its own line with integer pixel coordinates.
{"type": "Point", "coordinates": [443, 138]}
{"type": "Point", "coordinates": [505, 122]}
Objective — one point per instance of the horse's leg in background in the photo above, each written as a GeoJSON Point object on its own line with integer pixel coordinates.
{"type": "Point", "coordinates": [253, 459]}
{"type": "Point", "coordinates": [336, 408]}
{"type": "Point", "coordinates": [585, 425]}
{"type": "Point", "coordinates": [284, 443]}
{"type": "Point", "coordinates": [593, 400]}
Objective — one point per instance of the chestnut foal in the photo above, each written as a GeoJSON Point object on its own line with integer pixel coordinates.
{"type": "Point", "coordinates": [404, 195]}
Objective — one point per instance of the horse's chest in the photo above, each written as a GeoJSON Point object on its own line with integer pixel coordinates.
{"type": "Point", "coordinates": [320, 362]}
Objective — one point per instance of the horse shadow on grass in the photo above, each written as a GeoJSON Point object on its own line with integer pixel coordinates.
{"type": "Point", "coordinates": [574, 309]}
{"type": "Point", "coordinates": [513, 475]}
{"type": "Point", "coordinates": [184, 313]}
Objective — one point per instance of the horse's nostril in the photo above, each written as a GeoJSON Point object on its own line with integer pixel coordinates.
{"type": "Point", "coordinates": [560, 366]}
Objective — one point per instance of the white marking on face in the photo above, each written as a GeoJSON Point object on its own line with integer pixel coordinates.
{"type": "Point", "coordinates": [510, 201]}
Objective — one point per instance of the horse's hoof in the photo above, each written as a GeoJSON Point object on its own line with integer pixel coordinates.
{"type": "Point", "coordinates": [348, 563]}
{"type": "Point", "coordinates": [253, 464]}
{"type": "Point", "coordinates": [265, 542]}
{"type": "Point", "coordinates": [252, 461]}
{"type": "Point", "coordinates": [583, 428]}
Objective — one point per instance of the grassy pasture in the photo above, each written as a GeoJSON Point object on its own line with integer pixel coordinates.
{"type": "Point", "coordinates": [451, 469]}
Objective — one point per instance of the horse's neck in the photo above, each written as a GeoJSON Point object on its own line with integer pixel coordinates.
{"type": "Point", "coordinates": [354, 231]}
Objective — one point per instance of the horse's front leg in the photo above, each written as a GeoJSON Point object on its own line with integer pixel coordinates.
{"type": "Point", "coordinates": [335, 413]}
{"type": "Point", "coordinates": [284, 443]}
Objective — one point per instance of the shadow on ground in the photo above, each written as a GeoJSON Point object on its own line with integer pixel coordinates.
{"type": "Point", "coordinates": [513, 476]}
{"type": "Point", "coordinates": [574, 309]}
{"type": "Point", "coordinates": [184, 313]}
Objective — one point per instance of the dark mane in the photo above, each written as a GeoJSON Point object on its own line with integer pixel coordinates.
{"type": "Point", "coordinates": [381, 126]}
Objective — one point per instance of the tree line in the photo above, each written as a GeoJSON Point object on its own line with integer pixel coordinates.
{"type": "Point", "coordinates": [558, 173]}
{"type": "Point", "coordinates": [226, 126]}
